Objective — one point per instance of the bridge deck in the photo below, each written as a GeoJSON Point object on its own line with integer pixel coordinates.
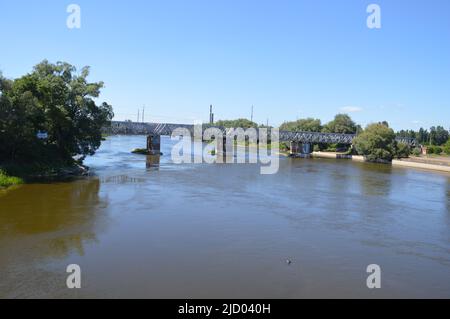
{"type": "Point", "coordinates": [302, 137]}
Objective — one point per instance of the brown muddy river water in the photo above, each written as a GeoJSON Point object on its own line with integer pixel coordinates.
{"type": "Point", "coordinates": [225, 231]}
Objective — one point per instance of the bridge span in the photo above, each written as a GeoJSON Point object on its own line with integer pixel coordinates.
{"type": "Point", "coordinates": [165, 129]}
{"type": "Point", "coordinates": [300, 141]}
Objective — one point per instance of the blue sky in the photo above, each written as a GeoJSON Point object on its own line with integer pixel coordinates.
{"type": "Point", "coordinates": [290, 59]}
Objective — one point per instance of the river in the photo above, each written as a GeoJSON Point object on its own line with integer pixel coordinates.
{"type": "Point", "coordinates": [226, 231]}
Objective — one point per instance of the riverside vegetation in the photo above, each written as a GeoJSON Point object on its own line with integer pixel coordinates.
{"type": "Point", "coordinates": [57, 100]}
{"type": "Point", "coordinates": [377, 142]}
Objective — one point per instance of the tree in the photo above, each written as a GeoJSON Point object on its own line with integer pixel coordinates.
{"type": "Point", "coordinates": [56, 99]}
{"type": "Point", "coordinates": [447, 147]}
{"type": "Point", "coordinates": [438, 135]}
{"type": "Point", "coordinates": [342, 123]}
{"type": "Point", "coordinates": [423, 136]}
{"type": "Point", "coordinates": [239, 123]}
{"type": "Point", "coordinates": [302, 125]}
{"type": "Point", "coordinates": [376, 142]}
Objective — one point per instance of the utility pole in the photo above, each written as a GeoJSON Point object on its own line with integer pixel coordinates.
{"type": "Point", "coordinates": [143, 113]}
{"type": "Point", "coordinates": [211, 115]}
{"type": "Point", "coordinates": [252, 114]}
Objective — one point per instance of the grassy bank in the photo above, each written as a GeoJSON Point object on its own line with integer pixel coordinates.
{"type": "Point", "coordinates": [30, 172]}
{"type": "Point", "coordinates": [6, 180]}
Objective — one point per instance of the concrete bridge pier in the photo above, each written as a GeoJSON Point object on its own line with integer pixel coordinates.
{"type": "Point", "coordinates": [301, 149]}
{"type": "Point", "coordinates": [222, 148]}
{"type": "Point", "coordinates": [295, 148]}
{"type": "Point", "coordinates": [307, 148]}
{"type": "Point", "coordinates": [154, 144]}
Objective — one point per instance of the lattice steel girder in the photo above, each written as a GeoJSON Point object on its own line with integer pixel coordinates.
{"type": "Point", "coordinates": [302, 137]}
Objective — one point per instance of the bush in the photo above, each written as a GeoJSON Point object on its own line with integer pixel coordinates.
{"type": "Point", "coordinates": [447, 148]}
{"type": "Point", "coordinates": [433, 149]}
{"type": "Point", "coordinates": [402, 150]}
{"type": "Point", "coordinates": [284, 147]}
{"type": "Point", "coordinates": [417, 151]}
{"type": "Point", "coordinates": [6, 180]}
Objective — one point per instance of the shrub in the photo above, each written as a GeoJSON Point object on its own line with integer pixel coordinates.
{"type": "Point", "coordinates": [6, 180]}
{"type": "Point", "coordinates": [417, 151]}
{"type": "Point", "coordinates": [433, 149]}
{"type": "Point", "coordinates": [447, 148]}
{"type": "Point", "coordinates": [403, 150]}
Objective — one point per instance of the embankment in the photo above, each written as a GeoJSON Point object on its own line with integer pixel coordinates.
{"type": "Point", "coordinates": [419, 163]}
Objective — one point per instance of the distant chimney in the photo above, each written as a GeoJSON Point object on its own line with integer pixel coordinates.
{"type": "Point", "coordinates": [211, 115]}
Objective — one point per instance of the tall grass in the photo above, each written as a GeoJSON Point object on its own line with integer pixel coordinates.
{"type": "Point", "coordinates": [6, 181]}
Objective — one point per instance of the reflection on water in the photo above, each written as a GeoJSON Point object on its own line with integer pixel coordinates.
{"type": "Point", "coordinates": [152, 162]}
{"type": "Point", "coordinates": [40, 222]}
{"type": "Point", "coordinates": [144, 227]}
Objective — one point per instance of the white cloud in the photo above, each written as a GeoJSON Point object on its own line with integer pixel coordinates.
{"type": "Point", "coordinates": [351, 109]}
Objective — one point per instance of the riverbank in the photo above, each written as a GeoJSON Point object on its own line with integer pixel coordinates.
{"type": "Point", "coordinates": [14, 174]}
{"type": "Point", "coordinates": [433, 164]}
{"type": "Point", "coordinates": [7, 181]}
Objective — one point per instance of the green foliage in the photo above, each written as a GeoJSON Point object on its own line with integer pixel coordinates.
{"type": "Point", "coordinates": [447, 147]}
{"type": "Point", "coordinates": [56, 99]}
{"type": "Point", "coordinates": [438, 135]}
{"type": "Point", "coordinates": [239, 123]}
{"type": "Point", "coordinates": [284, 147]}
{"type": "Point", "coordinates": [423, 136]}
{"type": "Point", "coordinates": [342, 123]}
{"type": "Point", "coordinates": [376, 143]}
{"type": "Point", "coordinates": [402, 150]}
{"type": "Point", "coordinates": [417, 151]}
{"type": "Point", "coordinates": [433, 149]}
{"type": "Point", "coordinates": [302, 125]}
{"type": "Point", "coordinates": [6, 181]}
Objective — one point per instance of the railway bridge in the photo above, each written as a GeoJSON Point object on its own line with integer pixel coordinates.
{"type": "Point", "coordinates": [300, 142]}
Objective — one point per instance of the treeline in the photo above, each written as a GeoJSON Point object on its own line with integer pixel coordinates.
{"type": "Point", "coordinates": [342, 123]}
{"type": "Point", "coordinates": [50, 116]}
{"type": "Point", "coordinates": [377, 142]}
{"type": "Point", "coordinates": [437, 136]}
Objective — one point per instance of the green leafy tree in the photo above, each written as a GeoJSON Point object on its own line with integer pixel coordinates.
{"type": "Point", "coordinates": [423, 136]}
{"type": "Point", "coordinates": [376, 142]}
{"type": "Point", "coordinates": [438, 135]}
{"type": "Point", "coordinates": [238, 123]}
{"type": "Point", "coordinates": [56, 99]}
{"type": "Point", "coordinates": [342, 123]}
{"type": "Point", "coordinates": [302, 125]}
